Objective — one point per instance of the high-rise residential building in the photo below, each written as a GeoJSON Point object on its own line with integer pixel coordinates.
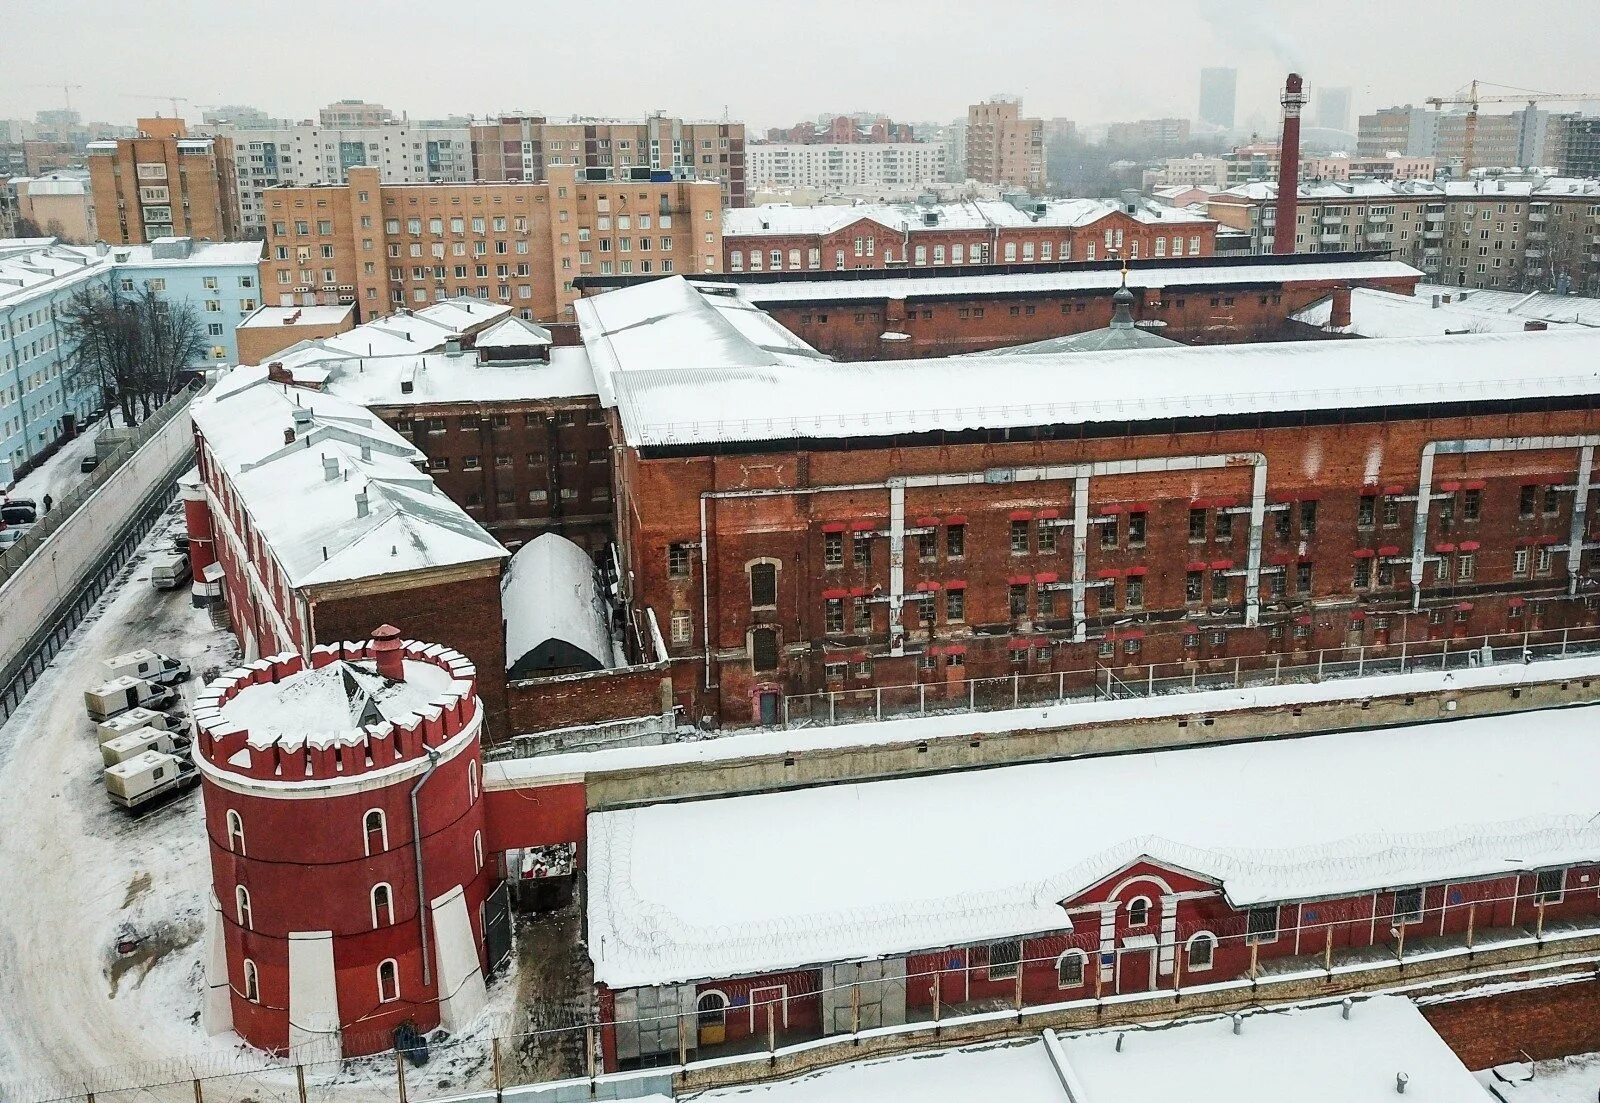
{"type": "Point", "coordinates": [1581, 156]}
{"type": "Point", "coordinates": [844, 130]}
{"type": "Point", "coordinates": [243, 117]}
{"type": "Point", "coordinates": [386, 246]}
{"type": "Point", "coordinates": [1522, 232]}
{"type": "Point", "coordinates": [354, 113]}
{"type": "Point", "coordinates": [1332, 108]}
{"type": "Point", "coordinates": [1148, 132]}
{"type": "Point", "coordinates": [1218, 89]}
{"type": "Point", "coordinates": [521, 148]}
{"type": "Point", "coordinates": [164, 183]}
{"type": "Point", "coordinates": [774, 166]}
{"type": "Point", "coordinates": [954, 139]}
{"type": "Point", "coordinates": [1409, 130]}
{"type": "Point", "coordinates": [1003, 147]}
{"type": "Point", "coordinates": [308, 153]}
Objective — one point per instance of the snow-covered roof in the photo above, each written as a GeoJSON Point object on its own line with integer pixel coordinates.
{"type": "Point", "coordinates": [277, 317]}
{"type": "Point", "coordinates": [513, 333]}
{"type": "Point", "coordinates": [1074, 279]}
{"type": "Point", "coordinates": [1375, 313]}
{"type": "Point", "coordinates": [1545, 306]}
{"type": "Point", "coordinates": [1307, 1054]}
{"type": "Point", "coordinates": [437, 377]}
{"type": "Point", "coordinates": [681, 373]}
{"type": "Point", "coordinates": [549, 592]}
{"type": "Point", "coordinates": [1010, 1072]}
{"type": "Point", "coordinates": [1310, 1054]}
{"type": "Point", "coordinates": [28, 270]}
{"type": "Point", "coordinates": [968, 214]}
{"type": "Point", "coordinates": [198, 254]}
{"type": "Point", "coordinates": [344, 499]}
{"type": "Point", "coordinates": [869, 876]}
{"type": "Point", "coordinates": [334, 697]}
{"type": "Point", "coordinates": [1122, 333]}
{"type": "Point", "coordinates": [1535, 187]}
{"type": "Point", "coordinates": [464, 314]}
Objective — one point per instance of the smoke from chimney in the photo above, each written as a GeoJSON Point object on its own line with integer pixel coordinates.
{"type": "Point", "coordinates": [1288, 166]}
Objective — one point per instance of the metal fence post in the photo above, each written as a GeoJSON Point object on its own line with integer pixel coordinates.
{"type": "Point", "coordinates": [972, 695]}
{"type": "Point", "coordinates": [1016, 690]}
{"type": "Point", "coordinates": [1564, 632]}
{"type": "Point", "coordinates": [1061, 686]}
{"type": "Point", "coordinates": [1361, 660]}
{"type": "Point", "coordinates": [830, 706]}
{"type": "Point", "coordinates": [400, 1075]}
{"type": "Point", "coordinates": [1402, 656]}
{"type": "Point", "coordinates": [877, 705]}
{"type": "Point", "coordinates": [1319, 664]}
{"type": "Point", "coordinates": [922, 698]}
{"type": "Point", "coordinates": [1150, 681]}
{"type": "Point", "coordinates": [1238, 670]}
{"type": "Point", "coordinates": [786, 710]}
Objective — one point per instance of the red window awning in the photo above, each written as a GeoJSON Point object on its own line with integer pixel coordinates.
{"type": "Point", "coordinates": [956, 519]}
{"type": "Point", "coordinates": [1222, 564]}
{"type": "Point", "coordinates": [1363, 553]}
{"type": "Point", "coordinates": [833, 526]}
{"type": "Point", "coordinates": [1021, 515]}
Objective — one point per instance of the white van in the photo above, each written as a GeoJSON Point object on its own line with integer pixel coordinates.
{"type": "Point", "coordinates": [121, 694]}
{"type": "Point", "coordinates": [169, 571]}
{"type": "Point", "coordinates": [148, 665]}
{"type": "Point", "coordinates": [134, 719]}
{"type": "Point", "coordinates": [124, 747]}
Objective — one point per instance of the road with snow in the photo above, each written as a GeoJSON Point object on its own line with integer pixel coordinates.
{"type": "Point", "coordinates": [78, 877]}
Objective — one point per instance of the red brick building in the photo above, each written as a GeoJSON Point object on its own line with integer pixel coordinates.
{"type": "Point", "coordinates": [1146, 900]}
{"type": "Point", "coordinates": [802, 528]}
{"type": "Point", "coordinates": [345, 813]}
{"type": "Point", "coordinates": [1025, 230]}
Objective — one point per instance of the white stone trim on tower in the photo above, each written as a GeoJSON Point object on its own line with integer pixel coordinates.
{"type": "Point", "coordinates": [462, 992]}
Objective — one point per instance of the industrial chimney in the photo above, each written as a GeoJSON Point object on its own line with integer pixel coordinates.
{"type": "Point", "coordinates": [1288, 166]}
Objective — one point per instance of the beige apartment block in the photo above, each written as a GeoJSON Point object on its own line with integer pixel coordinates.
{"type": "Point", "coordinates": [59, 205]}
{"type": "Point", "coordinates": [384, 247]}
{"type": "Point", "coordinates": [524, 148]}
{"type": "Point", "coordinates": [164, 184]}
{"type": "Point", "coordinates": [1003, 147]}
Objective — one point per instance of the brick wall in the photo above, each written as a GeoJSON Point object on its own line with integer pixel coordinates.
{"type": "Point", "coordinates": [540, 704]}
{"type": "Point", "coordinates": [463, 613]}
{"type": "Point", "coordinates": [1541, 1023]}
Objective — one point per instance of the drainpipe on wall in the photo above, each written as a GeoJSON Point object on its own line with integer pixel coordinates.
{"type": "Point", "coordinates": [416, 845]}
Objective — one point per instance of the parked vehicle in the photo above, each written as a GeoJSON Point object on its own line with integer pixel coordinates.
{"type": "Point", "coordinates": [147, 778]}
{"type": "Point", "coordinates": [170, 571]}
{"type": "Point", "coordinates": [89, 463]}
{"type": "Point", "coordinates": [150, 666]}
{"type": "Point", "coordinates": [134, 743]}
{"type": "Point", "coordinates": [180, 543]}
{"type": "Point", "coordinates": [18, 513]}
{"type": "Point", "coordinates": [9, 537]}
{"type": "Point", "coordinates": [121, 694]}
{"type": "Point", "coordinates": [134, 719]}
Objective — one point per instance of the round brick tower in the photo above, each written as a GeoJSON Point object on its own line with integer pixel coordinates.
{"type": "Point", "coordinates": [343, 802]}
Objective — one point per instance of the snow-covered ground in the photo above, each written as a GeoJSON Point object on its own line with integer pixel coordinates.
{"type": "Point", "coordinates": [1563, 1080]}
{"type": "Point", "coordinates": [59, 474]}
{"type": "Point", "coordinates": [78, 876]}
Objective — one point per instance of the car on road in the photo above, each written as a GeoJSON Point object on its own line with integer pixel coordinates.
{"type": "Point", "coordinates": [169, 572]}
{"type": "Point", "coordinates": [89, 463]}
{"type": "Point", "coordinates": [9, 536]}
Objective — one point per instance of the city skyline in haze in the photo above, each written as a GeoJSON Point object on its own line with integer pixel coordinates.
{"type": "Point", "coordinates": [706, 58]}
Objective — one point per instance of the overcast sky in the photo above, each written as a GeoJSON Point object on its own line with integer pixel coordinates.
{"type": "Point", "coordinates": [771, 63]}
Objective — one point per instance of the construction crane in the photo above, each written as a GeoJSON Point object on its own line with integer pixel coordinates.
{"type": "Point", "coordinates": [1471, 99]}
{"type": "Point", "coordinates": [174, 100]}
{"type": "Point", "coordinates": [66, 91]}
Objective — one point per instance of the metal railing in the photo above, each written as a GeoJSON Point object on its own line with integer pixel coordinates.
{"type": "Point", "coordinates": [12, 558]}
{"type": "Point", "coordinates": [1101, 682]}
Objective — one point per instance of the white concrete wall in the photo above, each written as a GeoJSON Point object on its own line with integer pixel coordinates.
{"type": "Point", "coordinates": [47, 579]}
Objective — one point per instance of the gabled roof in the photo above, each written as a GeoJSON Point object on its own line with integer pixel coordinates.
{"type": "Point", "coordinates": [872, 875]}
{"type": "Point", "coordinates": [513, 333]}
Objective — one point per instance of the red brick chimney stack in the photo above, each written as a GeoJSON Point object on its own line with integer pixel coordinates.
{"type": "Point", "coordinates": [1288, 165]}
{"type": "Point", "coordinates": [389, 652]}
{"type": "Point", "coordinates": [1339, 313]}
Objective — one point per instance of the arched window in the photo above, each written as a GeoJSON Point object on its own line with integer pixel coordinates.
{"type": "Point", "coordinates": [763, 585]}
{"type": "Point", "coordinates": [711, 1009]}
{"type": "Point", "coordinates": [1200, 952]}
{"type": "Point", "coordinates": [477, 850]}
{"type": "Point", "coordinates": [375, 826]}
{"type": "Point", "coordinates": [388, 981]}
{"type": "Point", "coordinates": [382, 906]}
{"type": "Point", "coordinates": [764, 648]}
{"type": "Point", "coordinates": [235, 832]}
{"type": "Point", "coordinates": [1069, 968]}
{"type": "Point", "coordinates": [1139, 911]}
{"type": "Point", "coordinates": [472, 780]}
{"type": "Point", "coordinates": [252, 982]}
{"type": "Point", "coordinates": [241, 906]}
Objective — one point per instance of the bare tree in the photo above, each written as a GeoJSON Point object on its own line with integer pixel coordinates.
{"type": "Point", "coordinates": [131, 347]}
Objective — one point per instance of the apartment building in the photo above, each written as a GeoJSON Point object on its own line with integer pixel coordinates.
{"type": "Point", "coordinates": [1148, 132]}
{"type": "Point", "coordinates": [1260, 162]}
{"type": "Point", "coordinates": [523, 148]}
{"type": "Point", "coordinates": [60, 205]}
{"type": "Point", "coordinates": [41, 399]}
{"type": "Point", "coordinates": [164, 183]}
{"type": "Point", "coordinates": [354, 113]}
{"type": "Point", "coordinates": [382, 246]}
{"type": "Point", "coordinates": [774, 166]}
{"type": "Point", "coordinates": [1529, 234]}
{"type": "Point", "coordinates": [843, 130]}
{"type": "Point", "coordinates": [1003, 147]}
{"type": "Point", "coordinates": [316, 153]}
{"type": "Point", "coordinates": [1581, 156]}
{"type": "Point", "coordinates": [1527, 138]}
